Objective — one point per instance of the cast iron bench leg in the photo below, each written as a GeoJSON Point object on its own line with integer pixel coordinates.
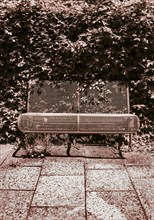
{"type": "Point", "coordinates": [69, 144]}
{"type": "Point", "coordinates": [119, 146]}
{"type": "Point", "coordinates": [71, 140]}
{"type": "Point", "coordinates": [68, 148]}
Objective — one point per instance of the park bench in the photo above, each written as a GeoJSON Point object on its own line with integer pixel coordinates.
{"type": "Point", "coordinates": [65, 108]}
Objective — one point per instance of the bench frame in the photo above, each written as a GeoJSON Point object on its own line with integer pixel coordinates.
{"type": "Point", "coordinates": [73, 134]}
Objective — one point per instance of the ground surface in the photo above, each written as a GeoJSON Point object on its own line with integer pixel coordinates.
{"type": "Point", "coordinates": [70, 188]}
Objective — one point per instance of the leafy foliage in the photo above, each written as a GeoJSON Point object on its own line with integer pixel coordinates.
{"type": "Point", "coordinates": [80, 41]}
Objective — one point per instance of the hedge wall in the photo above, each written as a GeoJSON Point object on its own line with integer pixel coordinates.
{"type": "Point", "coordinates": [79, 41]}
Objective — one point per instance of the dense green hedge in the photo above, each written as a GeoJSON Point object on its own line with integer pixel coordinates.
{"type": "Point", "coordinates": [77, 41]}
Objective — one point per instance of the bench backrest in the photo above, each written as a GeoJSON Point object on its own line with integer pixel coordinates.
{"type": "Point", "coordinates": [65, 97]}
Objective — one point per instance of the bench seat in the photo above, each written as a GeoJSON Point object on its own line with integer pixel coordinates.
{"type": "Point", "coordinates": [78, 123]}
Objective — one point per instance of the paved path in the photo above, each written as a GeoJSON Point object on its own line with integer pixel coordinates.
{"type": "Point", "coordinates": [65, 188]}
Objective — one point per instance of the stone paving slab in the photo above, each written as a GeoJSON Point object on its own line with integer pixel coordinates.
{"type": "Point", "coordinates": [141, 171]}
{"type": "Point", "coordinates": [57, 150]}
{"type": "Point", "coordinates": [57, 213]}
{"type": "Point", "coordinates": [114, 206]}
{"type": "Point", "coordinates": [63, 166]}
{"type": "Point", "coordinates": [104, 164]}
{"type": "Point", "coordinates": [98, 180]}
{"type": "Point", "coordinates": [4, 152]}
{"type": "Point", "coordinates": [135, 158]}
{"type": "Point", "coordinates": [94, 151]}
{"type": "Point", "coordinates": [28, 162]}
{"type": "Point", "coordinates": [16, 162]}
{"type": "Point", "coordinates": [14, 204]}
{"type": "Point", "coordinates": [11, 162]}
{"type": "Point", "coordinates": [19, 160]}
{"type": "Point", "coordinates": [145, 190]}
{"type": "Point", "coordinates": [60, 191]}
{"type": "Point", "coordinates": [19, 178]}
